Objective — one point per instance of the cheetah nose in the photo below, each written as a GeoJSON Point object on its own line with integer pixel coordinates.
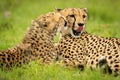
{"type": "Point", "coordinates": [80, 24]}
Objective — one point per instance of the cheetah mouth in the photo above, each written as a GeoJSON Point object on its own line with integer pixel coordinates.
{"type": "Point", "coordinates": [78, 32]}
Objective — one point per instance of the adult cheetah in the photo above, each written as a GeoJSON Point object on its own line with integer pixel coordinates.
{"type": "Point", "coordinates": [38, 43]}
{"type": "Point", "coordinates": [79, 48]}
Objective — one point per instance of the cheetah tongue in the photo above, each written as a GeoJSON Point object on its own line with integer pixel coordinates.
{"type": "Point", "coordinates": [79, 29]}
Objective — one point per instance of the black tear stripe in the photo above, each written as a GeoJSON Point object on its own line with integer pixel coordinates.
{"type": "Point", "coordinates": [74, 19]}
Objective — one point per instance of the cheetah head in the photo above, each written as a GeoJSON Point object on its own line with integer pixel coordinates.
{"type": "Point", "coordinates": [50, 22]}
{"type": "Point", "coordinates": [76, 20]}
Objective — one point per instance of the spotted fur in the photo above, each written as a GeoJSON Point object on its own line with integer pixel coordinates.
{"type": "Point", "coordinates": [77, 47]}
{"type": "Point", "coordinates": [38, 43]}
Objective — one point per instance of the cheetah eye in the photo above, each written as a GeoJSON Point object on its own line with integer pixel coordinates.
{"type": "Point", "coordinates": [84, 16]}
{"type": "Point", "coordinates": [71, 15]}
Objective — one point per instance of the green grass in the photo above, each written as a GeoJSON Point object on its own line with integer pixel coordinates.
{"type": "Point", "coordinates": [35, 71]}
{"type": "Point", "coordinates": [104, 20]}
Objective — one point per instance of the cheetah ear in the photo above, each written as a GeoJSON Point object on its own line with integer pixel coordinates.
{"type": "Point", "coordinates": [85, 9]}
{"type": "Point", "coordinates": [57, 9]}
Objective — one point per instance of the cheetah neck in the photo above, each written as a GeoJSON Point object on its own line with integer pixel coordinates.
{"type": "Point", "coordinates": [39, 33]}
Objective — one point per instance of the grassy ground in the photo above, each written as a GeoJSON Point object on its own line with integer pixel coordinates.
{"type": "Point", "coordinates": [16, 15]}
{"type": "Point", "coordinates": [35, 71]}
